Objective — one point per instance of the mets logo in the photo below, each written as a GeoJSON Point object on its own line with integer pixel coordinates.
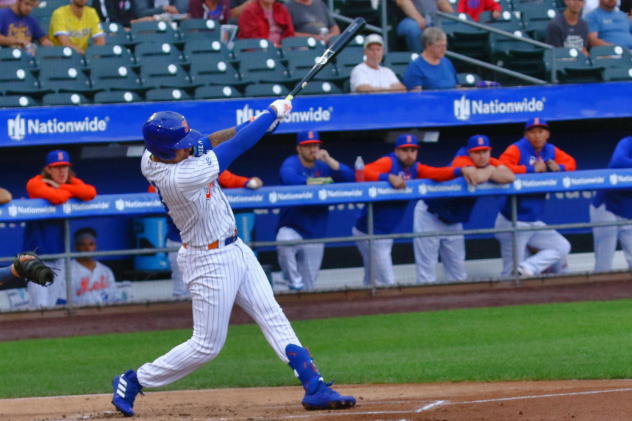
{"type": "Point", "coordinates": [566, 182]}
{"type": "Point", "coordinates": [273, 197]}
{"type": "Point", "coordinates": [322, 194]}
{"type": "Point", "coordinates": [613, 179]}
{"type": "Point", "coordinates": [186, 126]}
{"type": "Point", "coordinates": [423, 189]}
{"type": "Point", "coordinates": [372, 191]}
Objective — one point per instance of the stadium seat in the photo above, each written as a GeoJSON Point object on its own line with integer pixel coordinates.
{"type": "Point", "coordinates": [571, 65]}
{"type": "Point", "coordinates": [152, 54]}
{"type": "Point", "coordinates": [621, 73]}
{"type": "Point", "coordinates": [214, 71]}
{"type": "Point", "coordinates": [300, 66]}
{"type": "Point", "coordinates": [108, 55]}
{"type": "Point", "coordinates": [64, 99]}
{"type": "Point", "coordinates": [213, 92]}
{"type": "Point", "coordinates": [262, 47]}
{"type": "Point", "coordinates": [115, 78]}
{"type": "Point", "coordinates": [167, 75]}
{"type": "Point", "coordinates": [536, 20]}
{"type": "Point", "coordinates": [266, 89]}
{"type": "Point", "coordinates": [206, 29]}
{"type": "Point", "coordinates": [347, 60]}
{"type": "Point", "coordinates": [465, 39]}
{"type": "Point", "coordinates": [516, 55]}
{"type": "Point", "coordinates": [316, 87]}
{"type": "Point", "coordinates": [44, 24]}
{"type": "Point", "coordinates": [255, 67]}
{"type": "Point", "coordinates": [610, 56]}
{"type": "Point", "coordinates": [508, 22]}
{"type": "Point", "coordinates": [296, 47]}
{"type": "Point", "coordinates": [167, 95]}
{"type": "Point", "coordinates": [58, 55]}
{"type": "Point", "coordinates": [18, 79]}
{"type": "Point", "coordinates": [201, 49]}
{"type": "Point", "coordinates": [364, 9]}
{"type": "Point", "coordinates": [156, 31]}
{"type": "Point", "coordinates": [16, 101]}
{"type": "Point", "coordinates": [449, 26]}
{"type": "Point", "coordinates": [15, 55]}
{"type": "Point", "coordinates": [60, 78]}
{"type": "Point", "coordinates": [356, 42]}
{"type": "Point", "coordinates": [46, 8]}
{"type": "Point", "coordinates": [114, 97]}
{"type": "Point", "coordinates": [115, 34]}
{"type": "Point", "coordinates": [468, 80]}
{"type": "Point", "coordinates": [398, 61]}
{"type": "Point", "coordinates": [522, 5]}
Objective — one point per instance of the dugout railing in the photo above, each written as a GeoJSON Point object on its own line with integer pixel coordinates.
{"type": "Point", "coordinates": [367, 193]}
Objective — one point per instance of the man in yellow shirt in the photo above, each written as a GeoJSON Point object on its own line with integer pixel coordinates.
{"type": "Point", "coordinates": [74, 24]}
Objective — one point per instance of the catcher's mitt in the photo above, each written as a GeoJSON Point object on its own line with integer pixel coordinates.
{"type": "Point", "coordinates": [33, 270]}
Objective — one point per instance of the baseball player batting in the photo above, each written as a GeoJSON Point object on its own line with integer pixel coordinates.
{"type": "Point", "coordinates": [218, 268]}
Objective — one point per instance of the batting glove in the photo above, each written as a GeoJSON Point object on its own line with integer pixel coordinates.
{"type": "Point", "coordinates": [283, 108]}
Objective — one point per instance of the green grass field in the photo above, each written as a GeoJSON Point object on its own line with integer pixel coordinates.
{"type": "Point", "coordinates": [539, 342]}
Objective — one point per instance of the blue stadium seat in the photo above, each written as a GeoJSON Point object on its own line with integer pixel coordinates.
{"type": "Point", "coordinates": [115, 78]}
{"type": "Point", "coordinates": [206, 29]}
{"type": "Point", "coordinates": [167, 95]}
{"type": "Point", "coordinates": [109, 55]}
{"type": "Point", "coordinates": [151, 54]}
{"type": "Point", "coordinates": [16, 101]}
{"type": "Point", "coordinates": [64, 99]}
{"type": "Point", "coordinates": [114, 97]}
{"type": "Point", "coordinates": [156, 31]}
{"type": "Point", "coordinates": [275, 90]}
{"type": "Point", "coordinates": [214, 71]}
{"type": "Point", "coordinates": [213, 92]}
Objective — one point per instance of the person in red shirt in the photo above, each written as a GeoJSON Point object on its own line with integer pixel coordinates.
{"type": "Point", "coordinates": [266, 19]}
{"type": "Point", "coordinates": [475, 7]}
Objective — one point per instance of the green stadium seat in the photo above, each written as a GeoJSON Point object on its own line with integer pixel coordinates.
{"type": "Point", "coordinates": [214, 71]}
{"type": "Point", "coordinates": [64, 99]}
{"type": "Point", "coordinates": [215, 92]}
{"type": "Point", "coordinates": [274, 90]}
{"type": "Point", "coordinates": [17, 79]}
{"type": "Point", "coordinates": [156, 31]}
{"type": "Point", "coordinates": [300, 66]}
{"type": "Point", "coordinates": [449, 26]}
{"type": "Point", "coordinates": [44, 24]}
{"type": "Point", "coordinates": [115, 78]}
{"type": "Point", "coordinates": [508, 22]}
{"type": "Point", "coordinates": [572, 66]}
{"type": "Point", "coordinates": [15, 55]}
{"type": "Point", "coordinates": [16, 101]}
{"type": "Point", "coordinates": [398, 61]}
{"type": "Point", "coordinates": [536, 19]}
{"type": "Point", "coordinates": [347, 60]}
{"type": "Point", "coordinates": [65, 56]}
{"type": "Point", "coordinates": [167, 95]}
{"type": "Point", "coordinates": [263, 48]}
{"type": "Point", "coordinates": [167, 75]}
{"type": "Point", "coordinates": [610, 56]}
{"type": "Point", "coordinates": [320, 88]}
{"type": "Point", "coordinates": [201, 49]}
{"type": "Point", "coordinates": [522, 5]}
{"type": "Point", "coordinates": [356, 42]}
{"type": "Point", "coordinates": [60, 78]}
{"type": "Point", "coordinates": [621, 73]}
{"type": "Point", "coordinates": [468, 80]}
{"type": "Point", "coordinates": [115, 97]}
{"type": "Point", "coordinates": [295, 47]}
{"type": "Point", "coordinates": [153, 54]}
{"type": "Point", "coordinates": [115, 34]}
{"type": "Point", "coordinates": [109, 55]}
{"type": "Point", "coordinates": [206, 29]}
{"type": "Point", "coordinates": [255, 67]}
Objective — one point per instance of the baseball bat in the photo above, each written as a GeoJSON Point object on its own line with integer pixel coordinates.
{"type": "Point", "coordinates": [331, 52]}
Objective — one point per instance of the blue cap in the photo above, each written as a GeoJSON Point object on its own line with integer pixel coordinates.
{"type": "Point", "coordinates": [478, 142]}
{"type": "Point", "coordinates": [535, 122]}
{"type": "Point", "coordinates": [406, 141]}
{"type": "Point", "coordinates": [307, 136]}
{"type": "Point", "coordinates": [58, 157]}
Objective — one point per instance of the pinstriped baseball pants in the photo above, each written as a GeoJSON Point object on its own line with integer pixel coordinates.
{"type": "Point", "coordinates": [217, 279]}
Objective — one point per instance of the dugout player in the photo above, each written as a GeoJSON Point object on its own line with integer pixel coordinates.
{"type": "Point", "coordinates": [611, 206]}
{"type": "Point", "coordinates": [57, 183]}
{"type": "Point", "coordinates": [217, 267]}
{"type": "Point", "coordinates": [312, 165]}
{"type": "Point", "coordinates": [532, 154]}
{"type": "Point", "coordinates": [439, 215]}
{"type": "Point", "coordinates": [396, 168]}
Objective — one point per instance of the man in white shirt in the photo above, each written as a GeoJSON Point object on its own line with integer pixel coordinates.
{"type": "Point", "coordinates": [369, 76]}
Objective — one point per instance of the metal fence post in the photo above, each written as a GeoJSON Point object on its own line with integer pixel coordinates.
{"type": "Point", "coordinates": [67, 265]}
{"type": "Point", "coordinates": [384, 25]}
{"type": "Point", "coordinates": [514, 234]}
{"type": "Point", "coordinates": [371, 233]}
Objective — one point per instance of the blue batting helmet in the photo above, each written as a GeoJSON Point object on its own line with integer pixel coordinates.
{"type": "Point", "coordinates": [166, 131]}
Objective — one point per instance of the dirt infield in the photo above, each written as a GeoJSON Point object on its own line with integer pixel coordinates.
{"type": "Point", "coordinates": [529, 401]}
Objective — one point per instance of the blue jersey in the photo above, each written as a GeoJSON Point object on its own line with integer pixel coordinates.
{"type": "Point", "coordinates": [308, 221]}
{"type": "Point", "coordinates": [6, 274]}
{"type": "Point", "coordinates": [618, 202]}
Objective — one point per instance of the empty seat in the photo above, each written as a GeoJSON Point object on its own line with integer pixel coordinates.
{"type": "Point", "coordinates": [206, 29]}
{"type": "Point", "coordinates": [150, 54]}
{"type": "Point", "coordinates": [356, 42]}
{"type": "Point", "coordinates": [571, 65]}
{"type": "Point", "coordinates": [398, 61]}
{"type": "Point", "coordinates": [253, 68]}
{"type": "Point", "coordinates": [468, 80]}
{"type": "Point", "coordinates": [109, 55]}
{"type": "Point", "coordinates": [200, 49]}
{"type": "Point", "coordinates": [167, 75]}
{"type": "Point", "coordinates": [320, 88]}
{"type": "Point", "coordinates": [261, 46]}
{"type": "Point", "coordinates": [13, 56]}
{"type": "Point", "coordinates": [156, 31]}
{"type": "Point", "coordinates": [214, 71]}
{"type": "Point", "coordinates": [300, 66]}
{"type": "Point", "coordinates": [266, 89]}
{"type": "Point", "coordinates": [15, 101]}
{"type": "Point", "coordinates": [115, 78]}
{"type": "Point", "coordinates": [347, 60]}
{"type": "Point", "coordinates": [115, 34]}
{"type": "Point", "coordinates": [536, 19]}
{"type": "Point", "coordinates": [57, 55]}
{"type": "Point", "coordinates": [167, 95]}
{"type": "Point", "coordinates": [295, 47]}
{"type": "Point", "coordinates": [214, 92]}
{"type": "Point", "coordinates": [59, 78]}
{"type": "Point", "coordinates": [113, 97]}
{"type": "Point", "coordinates": [621, 73]}
{"type": "Point", "coordinates": [507, 22]}
{"type": "Point", "coordinates": [17, 79]}
{"type": "Point", "coordinates": [610, 56]}
{"type": "Point", "coordinates": [64, 99]}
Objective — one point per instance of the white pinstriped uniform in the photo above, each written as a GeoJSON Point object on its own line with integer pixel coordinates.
{"type": "Point", "coordinates": [216, 278]}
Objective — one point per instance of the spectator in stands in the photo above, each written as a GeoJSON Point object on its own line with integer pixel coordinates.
{"type": "Point", "coordinates": [312, 165]}
{"type": "Point", "coordinates": [57, 183]}
{"type": "Point", "coordinates": [18, 28]}
{"type": "Point", "coordinates": [311, 17]}
{"type": "Point", "coordinates": [74, 24]}
{"type": "Point", "coordinates": [532, 154]}
{"type": "Point", "coordinates": [431, 70]}
{"type": "Point", "coordinates": [266, 19]}
{"type": "Point", "coordinates": [418, 16]}
{"type": "Point", "coordinates": [594, 4]}
{"type": "Point", "coordinates": [218, 10]}
{"type": "Point", "coordinates": [369, 76]}
{"type": "Point", "coordinates": [608, 26]}
{"type": "Point", "coordinates": [158, 7]}
{"type": "Point", "coordinates": [568, 29]}
{"type": "Point", "coordinates": [475, 7]}
{"type": "Point", "coordinates": [236, 8]}
{"type": "Point", "coordinates": [122, 12]}
{"type": "Point", "coordinates": [5, 196]}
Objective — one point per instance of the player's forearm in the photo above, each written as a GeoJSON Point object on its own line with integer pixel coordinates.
{"type": "Point", "coordinates": [4, 40]}
{"type": "Point", "coordinates": [222, 136]}
{"type": "Point", "coordinates": [6, 274]}
{"type": "Point", "coordinates": [502, 175]}
{"type": "Point", "coordinates": [344, 174]}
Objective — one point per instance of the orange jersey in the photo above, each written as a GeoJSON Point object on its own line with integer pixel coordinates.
{"type": "Point", "coordinates": [376, 171]}
{"type": "Point", "coordinates": [466, 161]}
{"type": "Point", "coordinates": [38, 189]}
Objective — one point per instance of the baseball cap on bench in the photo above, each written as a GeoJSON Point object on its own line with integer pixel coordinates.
{"type": "Point", "coordinates": [478, 142]}
{"type": "Point", "coordinates": [57, 158]}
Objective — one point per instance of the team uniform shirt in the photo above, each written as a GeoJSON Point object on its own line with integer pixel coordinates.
{"type": "Point", "coordinates": [520, 158]}
{"type": "Point", "coordinates": [387, 215]}
{"type": "Point", "coordinates": [308, 221]}
{"type": "Point", "coordinates": [475, 7]}
{"type": "Point", "coordinates": [618, 202]}
{"type": "Point", "coordinates": [613, 27]}
{"type": "Point", "coordinates": [92, 287]}
{"type": "Point", "coordinates": [460, 209]}
{"type": "Point", "coordinates": [197, 204]}
{"type": "Point", "coordinates": [363, 74]}
{"type": "Point", "coordinates": [429, 76]}
{"type": "Point", "coordinates": [65, 22]}
{"type": "Point", "coordinates": [6, 274]}
{"type": "Point", "coordinates": [20, 27]}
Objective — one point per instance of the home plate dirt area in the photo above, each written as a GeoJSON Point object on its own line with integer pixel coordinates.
{"type": "Point", "coordinates": [595, 400]}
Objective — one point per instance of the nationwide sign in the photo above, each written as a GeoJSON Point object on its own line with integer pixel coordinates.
{"type": "Point", "coordinates": [279, 196]}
